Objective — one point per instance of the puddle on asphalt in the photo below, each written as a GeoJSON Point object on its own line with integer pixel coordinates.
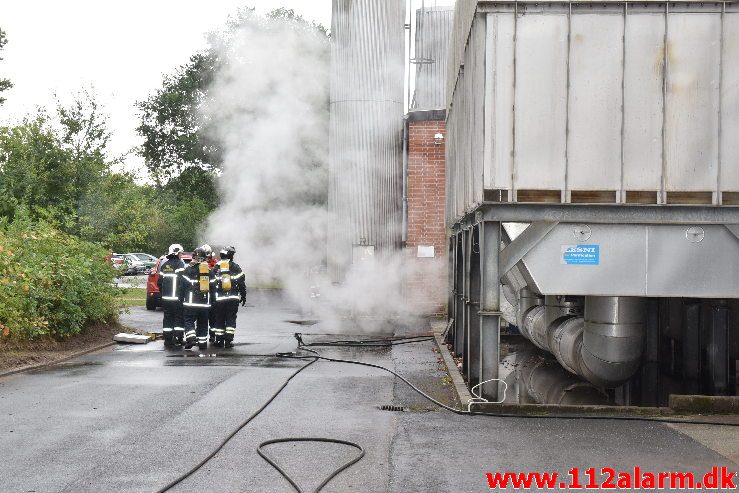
{"type": "Point", "coordinates": [67, 366]}
{"type": "Point", "coordinates": [535, 377]}
{"type": "Point", "coordinates": [302, 322]}
{"type": "Point", "coordinates": [227, 359]}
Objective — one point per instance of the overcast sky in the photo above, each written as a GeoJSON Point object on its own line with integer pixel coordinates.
{"type": "Point", "coordinates": [121, 49]}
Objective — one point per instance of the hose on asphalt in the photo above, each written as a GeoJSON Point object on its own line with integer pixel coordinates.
{"type": "Point", "coordinates": [382, 342]}
{"type": "Point", "coordinates": [223, 443]}
{"type": "Point", "coordinates": [298, 336]}
{"type": "Point", "coordinates": [315, 357]}
{"type": "Point", "coordinates": [331, 476]}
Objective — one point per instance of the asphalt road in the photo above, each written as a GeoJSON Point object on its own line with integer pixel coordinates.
{"type": "Point", "coordinates": [133, 418]}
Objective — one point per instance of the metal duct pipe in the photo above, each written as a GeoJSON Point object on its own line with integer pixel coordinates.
{"type": "Point", "coordinates": [604, 347]}
{"type": "Point", "coordinates": [613, 339]}
{"type": "Point", "coordinates": [527, 300]}
{"type": "Point", "coordinates": [565, 343]}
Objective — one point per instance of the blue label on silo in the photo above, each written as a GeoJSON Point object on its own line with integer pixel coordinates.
{"type": "Point", "coordinates": [581, 254]}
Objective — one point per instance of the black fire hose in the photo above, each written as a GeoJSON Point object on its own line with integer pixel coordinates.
{"type": "Point", "coordinates": [220, 446]}
{"type": "Point", "coordinates": [315, 356]}
{"type": "Point", "coordinates": [331, 476]}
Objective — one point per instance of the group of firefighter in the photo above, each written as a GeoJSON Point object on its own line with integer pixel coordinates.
{"type": "Point", "coordinates": [200, 299]}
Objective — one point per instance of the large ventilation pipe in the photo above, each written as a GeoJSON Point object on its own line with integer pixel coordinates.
{"type": "Point", "coordinates": [604, 347]}
{"type": "Point", "coordinates": [613, 339]}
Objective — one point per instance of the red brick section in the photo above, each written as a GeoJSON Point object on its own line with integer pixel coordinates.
{"type": "Point", "coordinates": [426, 284]}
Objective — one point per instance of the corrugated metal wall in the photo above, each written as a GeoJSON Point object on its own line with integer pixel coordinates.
{"type": "Point", "coordinates": [367, 108]}
{"type": "Point", "coordinates": [464, 12]}
{"type": "Point", "coordinates": [596, 102]}
{"type": "Point", "coordinates": [433, 32]}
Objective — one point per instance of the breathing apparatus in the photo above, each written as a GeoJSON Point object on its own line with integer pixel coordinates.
{"type": "Point", "coordinates": [199, 256]}
{"type": "Point", "coordinates": [227, 254]}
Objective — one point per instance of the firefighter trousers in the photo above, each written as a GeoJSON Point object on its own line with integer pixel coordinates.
{"type": "Point", "coordinates": [173, 323]}
{"type": "Point", "coordinates": [196, 326]}
{"type": "Point", "coordinates": [225, 316]}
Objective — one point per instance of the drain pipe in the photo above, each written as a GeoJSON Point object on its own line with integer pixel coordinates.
{"type": "Point", "coordinates": [604, 346]}
{"type": "Point", "coordinates": [404, 237]}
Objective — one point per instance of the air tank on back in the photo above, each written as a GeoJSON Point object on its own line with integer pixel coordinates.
{"type": "Point", "coordinates": [365, 164]}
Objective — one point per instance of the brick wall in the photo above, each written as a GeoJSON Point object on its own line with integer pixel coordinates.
{"type": "Point", "coordinates": [426, 284]}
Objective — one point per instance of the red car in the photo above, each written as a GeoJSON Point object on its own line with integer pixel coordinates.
{"type": "Point", "coordinates": [153, 296]}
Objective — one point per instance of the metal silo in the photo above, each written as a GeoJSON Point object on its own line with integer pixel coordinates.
{"type": "Point", "coordinates": [433, 32]}
{"type": "Point", "coordinates": [365, 166]}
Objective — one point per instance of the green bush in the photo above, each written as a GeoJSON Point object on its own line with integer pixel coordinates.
{"type": "Point", "coordinates": [51, 283]}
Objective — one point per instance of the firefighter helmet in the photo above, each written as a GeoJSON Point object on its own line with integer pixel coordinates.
{"type": "Point", "coordinates": [200, 254]}
{"type": "Point", "coordinates": [228, 253]}
{"type": "Point", "coordinates": [174, 250]}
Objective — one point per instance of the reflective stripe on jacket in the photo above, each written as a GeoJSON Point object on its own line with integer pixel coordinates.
{"type": "Point", "coordinates": [169, 278]}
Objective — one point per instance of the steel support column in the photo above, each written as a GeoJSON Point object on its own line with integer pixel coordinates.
{"type": "Point", "coordinates": [459, 323]}
{"type": "Point", "coordinates": [467, 235]}
{"type": "Point", "coordinates": [452, 288]}
{"type": "Point", "coordinates": [473, 339]}
{"type": "Point", "coordinates": [490, 236]}
{"type": "Point", "coordinates": [691, 347]}
{"type": "Point", "coordinates": [719, 368]}
{"type": "Point", "coordinates": [650, 373]}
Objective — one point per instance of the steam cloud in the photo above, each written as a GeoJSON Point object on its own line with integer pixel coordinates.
{"type": "Point", "coordinates": [269, 106]}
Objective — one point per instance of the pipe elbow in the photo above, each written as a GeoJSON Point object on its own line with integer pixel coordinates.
{"type": "Point", "coordinates": [612, 339]}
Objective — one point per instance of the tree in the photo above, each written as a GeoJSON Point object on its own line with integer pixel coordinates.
{"type": "Point", "coordinates": [48, 164]}
{"type": "Point", "coordinates": [176, 134]}
{"type": "Point", "coordinates": [175, 137]}
{"type": "Point", "coordinates": [5, 84]}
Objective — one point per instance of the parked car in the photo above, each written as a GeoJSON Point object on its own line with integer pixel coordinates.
{"type": "Point", "coordinates": [119, 263]}
{"type": "Point", "coordinates": [140, 263]}
{"type": "Point", "coordinates": [153, 296]}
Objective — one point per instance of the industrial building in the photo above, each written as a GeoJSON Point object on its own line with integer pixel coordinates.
{"type": "Point", "coordinates": [593, 171]}
{"type": "Point", "coordinates": [590, 232]}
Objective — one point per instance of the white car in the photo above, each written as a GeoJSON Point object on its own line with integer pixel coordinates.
{"type": "Point", "coordinates": [140, 263]}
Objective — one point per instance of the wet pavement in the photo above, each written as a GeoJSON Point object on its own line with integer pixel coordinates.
{"type": "Point", "coordinates": [132, 418]}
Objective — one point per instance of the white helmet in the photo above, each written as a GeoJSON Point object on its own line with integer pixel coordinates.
{"type": "Point", "coordinates": [175, 249]}
{"type": "Point", "coordinates": [208, 250]}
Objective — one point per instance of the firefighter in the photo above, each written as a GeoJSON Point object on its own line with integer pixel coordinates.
{"type": "Point", "coordinates": [230, 290]}
{"type": "Point", "coordinates": [196, 294]}
{"type": "Point", "coordinates": [169, 281]}
{"type": "Point", "coordinates": [211, 256]}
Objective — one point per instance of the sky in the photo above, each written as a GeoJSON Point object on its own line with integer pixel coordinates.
{"type": "Point", "coordinates": [120, 50]}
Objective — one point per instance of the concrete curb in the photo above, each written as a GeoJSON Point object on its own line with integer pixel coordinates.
{"type": "Point", "coordinates": [463, 394]}
{"type": "Point", "coordinates": [56, 361]}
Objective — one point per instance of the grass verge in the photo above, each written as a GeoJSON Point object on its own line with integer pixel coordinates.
{"type": "Point", "coordinates": [19, 354]}
{"type": "Point", "coordinates": [133, 297]}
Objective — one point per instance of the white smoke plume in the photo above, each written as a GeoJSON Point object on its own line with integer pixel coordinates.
{"type": "Point", "coordinates": [269, 106]}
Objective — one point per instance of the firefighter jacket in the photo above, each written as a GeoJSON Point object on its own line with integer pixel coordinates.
{"type": "Point", "coordinates": [198, 284]}
{"type": "Point", "coordinates": [170, 278]}
{"type": "Point", "coordinates": [230, 281]}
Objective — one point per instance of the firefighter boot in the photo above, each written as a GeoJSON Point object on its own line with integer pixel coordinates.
{"type": "Point", "coordinates": [179, 336]}
{"type": "Point", "coordinates": [190, 341]}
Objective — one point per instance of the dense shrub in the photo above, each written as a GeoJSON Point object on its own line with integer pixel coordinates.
{"type": "Point", "coordinates": [51, 283]}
